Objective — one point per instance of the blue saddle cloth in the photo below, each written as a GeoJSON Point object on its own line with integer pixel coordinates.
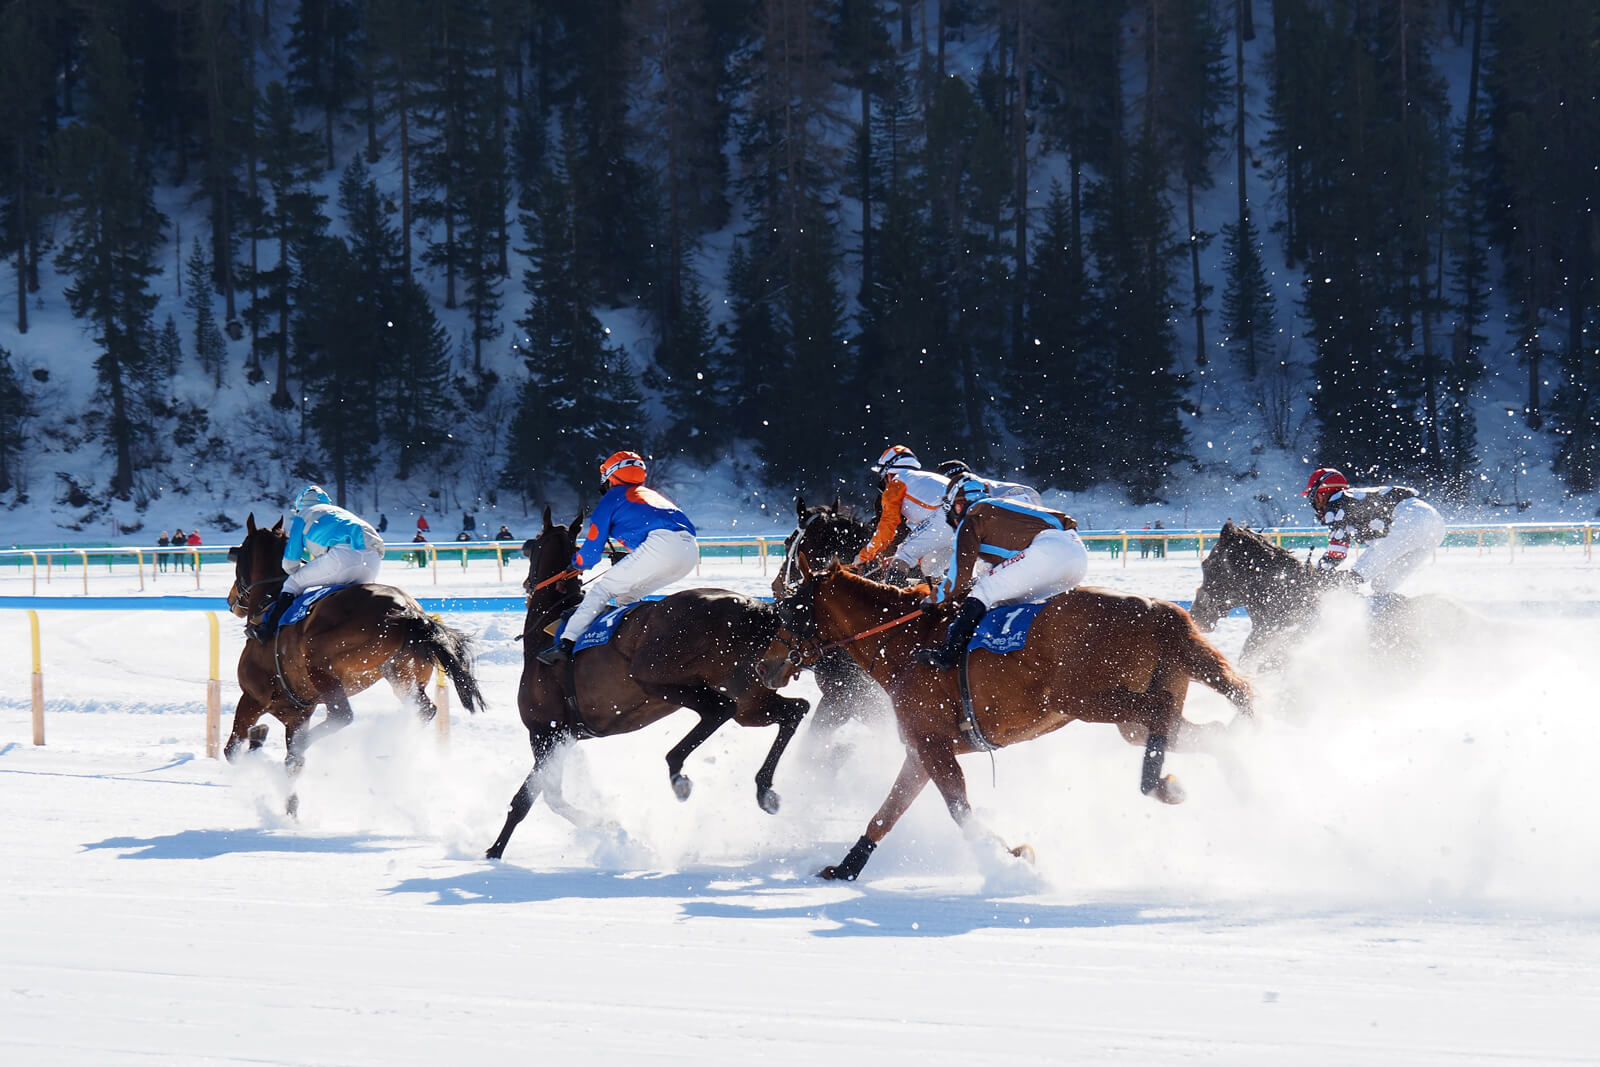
{"type": "Point", "coordinates": [604, 628]}
{"type": "Point", "coordinates": [1005, 629]}
{"type": "Point", "coordinates": [302, 603]}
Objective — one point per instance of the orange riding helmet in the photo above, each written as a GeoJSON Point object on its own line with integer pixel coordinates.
{"type": "Point", "coordinates": [623, 468]}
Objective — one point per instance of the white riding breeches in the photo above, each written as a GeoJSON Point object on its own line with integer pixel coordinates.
{"type": "Point", "coordinates": [1415, 532]}
{"type": "Point", "coordinates": [339, 565]}
{"type": "Point", "coordinates": [1055, 562]}
{"type": "Point", "coordinates": [663, 558]}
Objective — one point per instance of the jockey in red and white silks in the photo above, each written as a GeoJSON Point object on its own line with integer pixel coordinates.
{"type": "Point", "coordinates": [1398, 528]}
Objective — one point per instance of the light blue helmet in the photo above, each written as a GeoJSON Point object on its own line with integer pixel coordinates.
{"type": "Point", "coordinates": [309, 496]}
{"type": "Point", "coordinates": [964, 488]}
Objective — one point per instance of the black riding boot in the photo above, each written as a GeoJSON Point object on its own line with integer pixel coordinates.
{"type": "Point", "coordinates": [269, 618]}
{"type": "Point", "coordinates": [955, 642]}
{"type": "Point", "coordinates": [559, 652]}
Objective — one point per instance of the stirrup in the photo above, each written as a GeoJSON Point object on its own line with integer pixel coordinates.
{"type": "Point", "coordinates": [558, 652]}
{"type": "Point", "coordinates": [937, 658]}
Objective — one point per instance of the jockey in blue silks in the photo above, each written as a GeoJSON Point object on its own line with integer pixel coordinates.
{"type": "Point", "coordinates": [327, 546]}
{"type": "Point", "coordinates": [659, 537]}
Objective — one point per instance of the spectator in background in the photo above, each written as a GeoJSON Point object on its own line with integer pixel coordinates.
{"type": "Point", "coordinates": [161, 557]}
{"type": "Point", "coordinates": [383, 522]}
{"type": "Point", "coordinates": [1144, 544]}
{"type": "Point", "coordinates": [422, 527]}
{"type": "Point", "coordinates": [463, 536]}
{"type": "Point", "coordinates": [179, 539]}
{"type": "Point", "coordinates": [469, 522]}
{"type": "Point", "coordinates": [193, 541]}
{"type": "Point", "coordinates": [1161, 543]}
{"type": "Point", "coordinates": [420, 556]}
{"type": "Point", "coordinates": [504, 533]}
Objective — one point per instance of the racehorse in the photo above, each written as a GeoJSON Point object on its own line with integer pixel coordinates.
{"type": "Point", "coordinates": [822, 534]}
{"type": "Point", "coordinates": [1091, 655]}
{"type": "Point", "coordinates": [1284, 594]}
{"type": "Point", "coordinates": [353, 637]}
{"type": "Point", "coordinates": [696, 649]}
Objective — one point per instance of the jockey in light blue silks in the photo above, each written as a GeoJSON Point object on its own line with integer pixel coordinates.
{"type": "Point", "coordinates": [327, 546]}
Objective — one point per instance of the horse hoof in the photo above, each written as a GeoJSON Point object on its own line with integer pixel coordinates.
{"type": "Point", "coordinates": [681, 786]}
{"type": "Point", "coordinates": [292, 808]}
{"type": "Point", "coordinates": [768, 799]}
{"type": "Point", "coordinates": [1025, 853]}
{"type": "Point", "coordinates": [257, 736]}
{"type": "Point", "coordinates": [1168, 791]}
{"type": "Point", "coordinates": [829, 873]}
{"type": "Point", "coordinates": [494, 852]}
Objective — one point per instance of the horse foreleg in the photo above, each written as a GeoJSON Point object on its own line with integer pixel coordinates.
{"type": "Point", "coordinates": [913, 778]}
{"type": "Point", "coordinates": [244, 732]}
{"type": "Point", "coordinates": [788, 722]}
{"type": "Point", "coordinates": [714, 709]}
{"type": "Point", "coordinates": [547, 749]}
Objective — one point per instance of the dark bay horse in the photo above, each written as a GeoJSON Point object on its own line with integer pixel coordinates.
{"type": "Point", "coordinates": [824, 533]}
{"type": "Point", "coordinates": [697, 649]}
{"type": "Point", "coordinates": [1092, 655]}
{"type": "Point", "coordinates": [1284, 595]}
{"type": "Point", "coordinates": [352, 638]}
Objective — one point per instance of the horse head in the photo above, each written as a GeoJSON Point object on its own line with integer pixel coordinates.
{"type": "Point", "coordinates": [257, 564]}
{"type": "Point", "coordinates": [822, 533]}
{"type": "Point", "coordinates": [1246, 569]}
{"type": "Point", "coordinates": [551, 584]}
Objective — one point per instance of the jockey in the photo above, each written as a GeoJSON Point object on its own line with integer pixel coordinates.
{"type": "Point", "coordinates": [661, 539]}
{"type": "Point", "coordinates": [1009, 490]}
{"type": "Point", "coordinates": [327, 546]}
{"type": "Point", "coordinates": [1032, 553]}
{"type": "Point", "coordinates": [1398, 526]}
{"type": "Point", "coordinates": [912, 496]}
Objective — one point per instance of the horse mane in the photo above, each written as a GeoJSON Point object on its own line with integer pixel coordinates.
{"type": "Point", "coordinates": [1261, 549]}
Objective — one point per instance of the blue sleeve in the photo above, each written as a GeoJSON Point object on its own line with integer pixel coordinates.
{"type": "Point", "coordinates": [599, 531]}
{"type": "Point", "coordinates": [295, 550]}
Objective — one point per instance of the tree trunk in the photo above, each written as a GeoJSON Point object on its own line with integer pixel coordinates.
{"type": "Point", "coordinates": [1196, 283]}
{"type": "Point", "coordinates": [1019, 290]}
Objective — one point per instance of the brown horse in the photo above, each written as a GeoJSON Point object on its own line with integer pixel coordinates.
{"type": "Point", "coordinates": [1284, 595]}
{"type": "Point", "coordinates": [1092, 655]}
{"type": "Point", "coordinates": [824, 533]}
{"type": "Point", "coordinates": [698, 649]}
{"type": "Point", "coordinates": [353, 637]}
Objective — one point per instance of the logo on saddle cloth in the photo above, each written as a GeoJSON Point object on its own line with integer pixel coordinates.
{"type": "Point", "coordinates": [302, 604]}
{"type": "Point", "coordinates": [1005, 629]}
{"type": "Point", "coordinates": [604, 628]}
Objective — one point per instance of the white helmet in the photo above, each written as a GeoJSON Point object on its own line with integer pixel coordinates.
{"type": "Point", "coordinates": [897, 457]}
{"type": "Point", "coordinates": [309, 496]}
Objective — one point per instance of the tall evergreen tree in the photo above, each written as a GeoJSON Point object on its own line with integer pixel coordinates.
{"type": "Point", "coordinates": [324, 60]}
{"type": "Point", "coordinates": [16, 408]}
{"type": "Point", "coordinates": [209, 347]}
{"type": "Point", "coordinates": [290, 215]}
{"type": "Point", "coordinates": [29, 37]}
{"type": "Point", "coordinates": [115, 230]}
{"type": "Point", "coordinates": [1247, 309]}
{"type": "Point", "coordinates": [579, 394]}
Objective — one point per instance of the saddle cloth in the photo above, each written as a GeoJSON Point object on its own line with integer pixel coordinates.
{"type": "Point", "coordinates": [1005, 629]}
{"type": "Point", "coordinates": [302, 604]}
{"type": "Point", "coordinates": [604, 628]}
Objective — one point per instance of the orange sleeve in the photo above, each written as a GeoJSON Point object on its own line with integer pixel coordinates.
{"type": "Point", "coordinates": [888, 521]}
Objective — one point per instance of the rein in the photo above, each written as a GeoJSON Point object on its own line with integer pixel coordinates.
{"type": "Point", "coordinates": [554, 578]}
{"type": "Point", "coordinates": [796, 655]}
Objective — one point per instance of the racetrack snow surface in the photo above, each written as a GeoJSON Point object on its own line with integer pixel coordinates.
{"type": "Point", "coordinates": [1402, 870]}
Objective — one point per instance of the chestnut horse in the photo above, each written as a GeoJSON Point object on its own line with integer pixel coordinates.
{"type": "Point", "coordinates": [353, 637]}
{"type": "Point", "coordinates": [1092, 655]}
{"type": "Point", "coordinates": [698, 649]}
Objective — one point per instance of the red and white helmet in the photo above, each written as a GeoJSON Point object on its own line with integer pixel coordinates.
{"type": "Point", "coordinates": [1324, 481]}
{"type": "Point", "coordinates": [896, 457]}
{"type": "Point", "coordinates": [623, 468]}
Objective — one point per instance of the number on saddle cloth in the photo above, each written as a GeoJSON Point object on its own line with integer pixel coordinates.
{"type": "Point", "coordinates": [302, 603]}
{"type": "Point", "coordinates": [603, 629]}
{"type": "Point", "coordinates": [1005, 629]}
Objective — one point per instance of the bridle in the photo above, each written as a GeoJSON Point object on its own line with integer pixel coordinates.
{"type": "Point", "coordinates": [797, 626]}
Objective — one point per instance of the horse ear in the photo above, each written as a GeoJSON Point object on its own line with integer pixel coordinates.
{"type": "Point", "coordinates": [577, 521]}
{"type": "Point", "coordinates": [547, 521]}
{"type": "Point", "coordinates": [250, 523]}
{"type": "Point", "coordinates": [277, 527]}
{"type": "Point", "coordinates": [800, 508]}
{"type": "Point", "coordinates": [838, 504]}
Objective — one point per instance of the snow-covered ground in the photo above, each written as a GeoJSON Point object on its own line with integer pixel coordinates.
{"type": "Point", "coordinates": [1404, 872]}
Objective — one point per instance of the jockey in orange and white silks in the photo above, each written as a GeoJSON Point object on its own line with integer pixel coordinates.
{"type": "Point", "coordinates": [659, 539]}
{"type": "Point", "coordinates": [328, 545]}
{"type": "Point", "coordinates": [915, 497]}
{"type": "Point", "coordinates": [1006, 552]}
{"type": "Point", "coordinates": [1398, 528]}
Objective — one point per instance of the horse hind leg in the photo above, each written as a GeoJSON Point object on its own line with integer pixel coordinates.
{"type": "Point", "coordinates": [788, 720]}
{"type": "Point", "coordinates": [409, 680]}
{"type": "Point", "coordinates": [714, 709]}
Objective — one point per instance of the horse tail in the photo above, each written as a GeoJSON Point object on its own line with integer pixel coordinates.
{"type": "Point", "coordinates": [452, 650]}
{"type": "Point", "coordinates": [1203, 661]}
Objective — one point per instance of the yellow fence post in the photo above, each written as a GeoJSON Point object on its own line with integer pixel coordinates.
{"type": "Point", "coordinates": [214, 691]}
{"type": "Point", "coordinates": [441, 697]}
{"type": "Point", "coordinates": [38, 679]}
{"type": "Point", "coordinates": [138, 559]}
